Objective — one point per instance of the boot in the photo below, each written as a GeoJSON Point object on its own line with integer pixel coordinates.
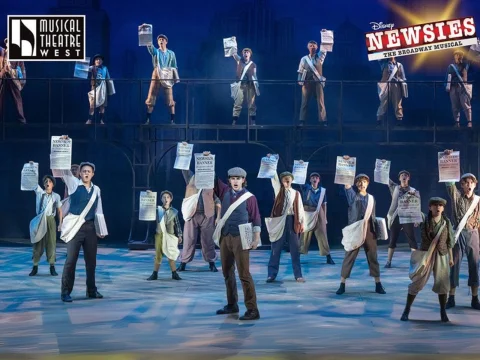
{"type": "Point", "coordinates": [34, 270]}
{"type": "Point", "coordinates": [450, 302]}
{"type": "Point", "coordinates": [172, 119]}
{"type": "Point", "coordinates": [228, 309]}
{"type": "Point", "coordinates": [252, 120]}
{"type": "Point", "coordinates": [341, 289]}
{"type": "Point", "coordinates": [330, 260]}
{"type": "Point", "coordinates": [475, 304]}
{"type": "Point", "coordinates": [52, 270]}
{"type": "Point", "coordinates": [148, 119]}
{"type": "Point", "coordinates": [379, 289]}
{"type": "Point", "coordinates": [250, 315]}
{"type": "Point", "coordinates": [182, 266]}
{"type": "Point", "coordinates": [388, 264]}
{"type": "Point", "coordinates": [175, 276]}
{"type": "Point", "coordinates": [213, 268]}
{"type": "Point", "coordinates": [154, 276]}
{"type": "Point", "coordinates": [406, 312]}
{"type": "Point", "coordinates": [442, 299]}
{"type": "Point", "coordinates": [234, 120]}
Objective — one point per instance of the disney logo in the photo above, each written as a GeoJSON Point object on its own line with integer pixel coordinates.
{"type": "Point", "coordinates": [381, 25]}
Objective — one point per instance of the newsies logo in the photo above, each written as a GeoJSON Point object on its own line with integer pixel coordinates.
{"type": "Point", "coordinates": [417, 39]}
{"type": "Point", "coordinates": [46, 38]}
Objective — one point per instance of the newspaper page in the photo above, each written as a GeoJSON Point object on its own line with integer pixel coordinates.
{"type": "Point", "coordinates": [29, 180]}
{"type": "Point", "coordinates": [299, 172]}
{"type": "Point", "coordinates": [449, 167]}
{"type": "Point", "coordinates": [148, 206]}
{"type": "Point", "coordinates": [204, 171]}
{"type": "Point", "coordinates": [230, 46]}
{"type": "Point", "coordinates": [268, 167]}
{"type": "Point", "coordinates": [345, 171]}
{"type": "Point", "coordinates": [326, 37]}
{"type": "Point", "coordinates": [381, 174]}
{"type": "Point", "coordinates": [246, 235]}
{"type": "Point", "coordinates": [184, 156]}
{"type": "Point", "coordinates": [145, 35]}
{"type": "Point", "coordinates": [60, 153]}
{"type": "Point", "coordinates": [409, 209]}
{"type": "Point", "coordinates": [81, 69]}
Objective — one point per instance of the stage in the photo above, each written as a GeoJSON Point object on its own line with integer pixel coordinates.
{"type": "Point", "coordinates": [178, 317]}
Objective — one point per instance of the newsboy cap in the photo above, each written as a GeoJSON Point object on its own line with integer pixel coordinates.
{"type": "Point", "coordinates": [403, 172]}
{"type": "Point", "coordinates": [437, 200]}
{"type": "Point", "coordinates": [161, 36]}
{"type": "Point", "coordinates": [86, 163]}
{"type": "Point", "coordinates": [237, 171]}
{"type": "Point", "coordinates": [469, 175]}
{"type": "Point", "coordinates": [166, 192]}
{"type": "Point", "coordinates": [314, 174]}
{"type": "Point", "coordinates": [362, 176]}
{"type": "Point", "coordinates": [286, 173]}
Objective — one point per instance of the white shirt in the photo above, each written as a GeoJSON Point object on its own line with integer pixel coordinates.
{"type": "Point", "coordinates": [277, 187]}
{"type": "Point", "coordinates": [72, 183]}
{"type": "Point", "coordinates": [53, 197]}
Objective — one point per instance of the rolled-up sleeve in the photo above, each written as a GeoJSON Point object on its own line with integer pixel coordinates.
{"type": "Point", "coordinates": [71, 182]}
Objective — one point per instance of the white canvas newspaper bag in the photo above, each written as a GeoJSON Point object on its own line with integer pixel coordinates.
{"type": "Point", "coordinates": [354, 234]}
{"type": "Point", "coordinates": [38, 225]}
{"type": "Point", "coordinates": [382, 87]}
{"type": "Point", "coordinates": [235, 86]}
{"type": "Point", "coordinates": [99, 94]}
{"type": "Point", "coordinates": [469, 212]}
{"type": "Point", "coordinates": [189, 206]}
{"type": "Point", "coordinates": [169, 241]}
{"type": "Point", "coordinates": [311, 217]}
{"type": "Point", "coordinates": [276, 225]}
{"type": "Point", "coordinates": [392, 214]}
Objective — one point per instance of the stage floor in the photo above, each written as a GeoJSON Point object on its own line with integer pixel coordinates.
{"type": "Point", "coordinates": [168, 316]}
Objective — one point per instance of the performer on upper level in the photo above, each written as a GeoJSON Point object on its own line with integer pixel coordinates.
{"type": "Point", "coordinates": [101, 88]}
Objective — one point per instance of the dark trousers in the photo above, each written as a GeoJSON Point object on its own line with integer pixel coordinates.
{"type": "Point", "coordinates": [310, 89]}
{"type": "Point", "coordinates": [231, 253]}
{"type": "Point", "coordinates": [370, 247]}
{"type": "Point", "coordinates": [467, 244]}
{"type": "Point", "coordinates": [8, 87]}
{"type": "Point", "coordinates": [409, 231]}
{"type": "Point", "coordinates": [293, 241]}
{"type": "Point", "coordinates": [86, 238]}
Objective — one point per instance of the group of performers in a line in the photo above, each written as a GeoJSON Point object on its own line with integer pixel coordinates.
{"type": "Point", "coordinates": [392, 87]}
{"type": "Point", "coordinates": [217, 216]}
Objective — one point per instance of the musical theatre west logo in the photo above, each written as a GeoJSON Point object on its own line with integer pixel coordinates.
{"type": "Point", "coordinates": [46, 37]}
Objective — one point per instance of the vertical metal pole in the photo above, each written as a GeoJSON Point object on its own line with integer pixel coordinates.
{"type": "Point", "coordinates": [50, 107]}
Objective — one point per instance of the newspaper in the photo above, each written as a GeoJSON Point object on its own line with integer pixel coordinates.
{"type": "Point", "coordinates": [449, 167]}
{"type": "Point", "coordinates": [409, 209]}
{"type": "Point", "coordinates": [60, 153]}
{"type": "Point", "coordinates": [184, 156]}
{"type": "Point", "coordinates": [145, 35]}
{"type": "Point", "coordinates": [230, 46]}
{"type": "Point", "coordinates": [381, 174]}
{"type": "Point", "coordinates": [204, 171]}
{"type": "Point", "coordinates": [299, 172]}
{"type": "Point", "coordinates": [268, 167]}
{"type": "Point", "coordinates": [29, 180]}
{"type": "Point", "coordinates": [148, 206]}
{"type": "Point", "coordinates": [81, 69]}
{"type": "Point", "coordinates": [326, 37]}
{"type": "Point", "coordinates": [246, 235]}
{"type": "Point", "coordinates": [345, 171]}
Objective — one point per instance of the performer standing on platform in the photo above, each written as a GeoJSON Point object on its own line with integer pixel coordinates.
{"type": "Point", "coordinates": [361, 207]}
{"type": "Point", "coordinates": [466, 219]}
{"type": "Point", "coordinates": [80, 229]}
{"type": "Point", "coordinates": [239, 207]}
{"type": "Point", "coordinates": [437, 242]}
{"type": "Point", "coordinates": [98, 96]}
{"type": "Point", "coordinates": [285, 225]}
{"type": "Point", "coordinates": [310, 78]}
{"type": "Point", "coordinates": [43, 229]}
{"type": "Point", "coordinates": [312, 196]}
{"type": "Point", "coordinates": [198, 209]}
{"type": "Point", "coordinates": [164, 75]}
{"type": "Point", "coordinates": [248, 85]}
{"type": "Point", "coordinates": [393, 78]}
{"type": "Point", "coordinates": [13, 76]}
{"type": "Point", "coordinates": [167, 236]}
{"type": "Point", "coordinates": [397, 191]}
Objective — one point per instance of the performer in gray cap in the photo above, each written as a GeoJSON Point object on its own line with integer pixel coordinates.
{"type": "Point", "coordinates": [239, 208]}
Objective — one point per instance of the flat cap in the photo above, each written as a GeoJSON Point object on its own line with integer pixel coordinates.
{"type": "Point", "coordinates": [469, 175]}
{"type": "Point", "coordinates": [161, 36]}
{"type": "Point", "coordinates": [437, 200]}
{"type": "Point", "coordinates": [362, 176]}
{"type": "Point", "coordinates": [286, 173]}
{"type": "Point", "coordinates": [237, 171]}
{"type": "Point", "coordinates": [49, 177]}
{"type": "Point", "coordinates": [314, 174]}
{"type": "Point", "coordinates": [166, 192]}
{"type": "Point", "coordinates": [98, 56]}
{"type": "Point", "coordinates": [403, 172]}
{"type": "Point", "coordinates": [86, 163]}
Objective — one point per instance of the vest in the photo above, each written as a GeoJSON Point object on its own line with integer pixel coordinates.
{"type": "Point", "coordinates": [169, 215]}
{"type": "Point", "coordinates": [428, 236]}
{"type": "Point", "coordinates": [251, 70]}
{"type": "Point", "coordinates": [238, 217]}
{"type": "Point", "coordinates": [79, 200]}
{"type": "Point", "coordinates": [278, 208]}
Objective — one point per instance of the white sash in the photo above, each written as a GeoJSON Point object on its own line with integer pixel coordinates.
{"type": "Point", "coordinates": [72, 223]}
{"type": "Point", "coordinates": [189, 206]}
{"type": "Point", "coordinates": [354, 234]}
{"type": "Point", "coordinates": [315, 71]}
{"type": "Point", "coordinates": [38, 225]}
{"type": "Point", "coordinates": [235, 86]}
{"type": "Point", "coordinates": [99, 94]}
{"type": "Point", "coordinates": [392, 214]}
{"type": "Point", "coordinates": [467, 87]}
{"type": "Point", "coordinates": [276, 225]}
{"type": "Point", "coordinates": [218, 229]}
{"type": "Point", "coordinates": [311, 217]}
{"type": "Point", "coordinates": [383, 86]}
{"type": "Point", "coordinates": [169, 241]}
{"type": "Point", "coordinates": [469, 212]}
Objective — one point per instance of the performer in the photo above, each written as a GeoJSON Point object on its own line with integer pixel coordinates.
{"type": "Point", "coordinates": [466, 219]}
{"type": "Point", "coordinates": [13, 76]}
{"type": "Point", "coordinates": [43, 230]}
{"type": "Point", "coordinates": [248, 87]}
{"type": "Point", "coordinates": [167, 236]}
{"type": "Point", "coordinates": [393, 78]}
{"type": "Point", "coordinates": [164, 75]}
{"type": "Point", "coordinates": [81, 227]}
{"type": "Point", "coordinates": [198, 210]}
{"type": "Point", "coordinates": [397, 191]}
{"type": "Point", "coordinates": [239, 207]}
{"type": "Point", "coordinates": [310, 78]}
{"type": "Point", "coordinates": [76, 173]}
{"type": "Point", "coordinates": [285, 225]}
{"type": "Point", "coordinates": [361, 208]}
{"type": "Point", "coordinates": [312, 196]}
{"type": "Point", "coordinates": [97, 97]}
{"type": "Point", "coordinates": [437, 242]}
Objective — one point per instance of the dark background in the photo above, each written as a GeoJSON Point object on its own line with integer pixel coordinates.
{"type": "Point", "coordinates": [277, 31]}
